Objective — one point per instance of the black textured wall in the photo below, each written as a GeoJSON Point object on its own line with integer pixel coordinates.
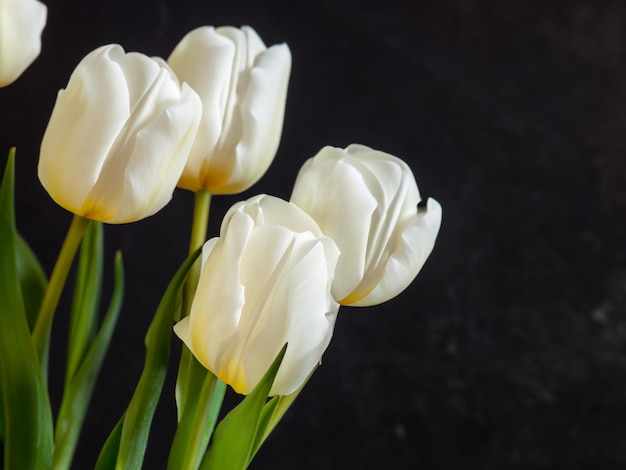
{"type": "Point", "coordinates": [508, 351]}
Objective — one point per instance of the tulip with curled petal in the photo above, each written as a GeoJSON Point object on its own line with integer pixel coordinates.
{"type": "Point", "coordinates": [264, 282]}
{"type": "Point", "coordinates": [366, 201]}
{"type": "Point", "coordinates": [243, 86]}
{"type": "Point", "coordinates": [21, 25]}
{"type": "Point", "coordinates": [119, 137]}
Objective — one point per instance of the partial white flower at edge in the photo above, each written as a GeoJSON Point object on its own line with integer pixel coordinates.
{"type": "Point", "coordinates": [367, 202]}
{"type": "Point", "coordinates": [21, 25]}
{"type": "Point", "coordinates": [264, 282]}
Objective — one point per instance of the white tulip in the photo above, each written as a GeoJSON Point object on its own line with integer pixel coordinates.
{"type": "Point", "coordinates": [264, 282]}
{"type": "Point", "coordinates": [366, 201]}
{"type": "Point", "coordinates": [119, 137]}
{"type": "Point", "coordinates": [21, 25]}
{"type": "Point", "coordinates": [243, 86]}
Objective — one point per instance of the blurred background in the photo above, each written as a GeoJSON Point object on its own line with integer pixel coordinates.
{"type": "Point", "coordinates": [508, 350]}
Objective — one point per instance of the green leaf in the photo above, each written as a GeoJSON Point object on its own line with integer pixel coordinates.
{"type": "Point", "coordinates": [27, 418]}
{"type": "Point", "coordinates": [79, 389]}
{"type": "Point", "coordinates": [205, 394]}
{"type": "Point", "coordinates": [234, 437]}
{"type": "Point", "coordinates": [33, 281]}
{"type": "Point", "coordinates": [273, 411]}
{"type": "Point", "coordinates": [111, 448]}
{"type": "Point", "coordinates": [141, 408]}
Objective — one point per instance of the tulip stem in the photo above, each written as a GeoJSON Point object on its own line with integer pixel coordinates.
{"type": "Point", "coordinates": [57, 282]}
{"type": "Point", "coordinates": [202, 205]}
{"type": "Point", "coordinates": [200, 219]}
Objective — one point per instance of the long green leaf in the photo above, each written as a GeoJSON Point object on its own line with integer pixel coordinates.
{"type": "Point", "coordinates": [234, 437]}
{"type": "Point", "coordinates": [273, 411]}
{"type": "Point", "coordinates": [108, 455]}
{"type": "Point", "coordinates": [27, 416]}
{"type": "Point", "coordinates": [205, 394]}
{"type": "Point", "coordinates": [144, 401]}
{"type": "Point", "coordinates": [33, 281]}
{"type": "Point", "coordinates": [78, 391]}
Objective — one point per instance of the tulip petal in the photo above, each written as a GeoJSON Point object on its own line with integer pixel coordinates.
{"type": "Point", "coordinates": [219, 307]}
{"type": "Point", "coordinates": [182, 330]}
{"type": "Point", "coordinates": [306, 290]}
{"type": "Point", "coordinates": [203, 60]}
{"type": "Point", "coordinates": [148, 178]}
{"type": "Point", "coordinates": [339, 182]}
{"type": "Point", "coordinates": [260, 114]}
{"type": "Point", "coordinates": [96, 84]}
{"type": "Point", "coordinates": [254, 45]}
{"type": "Point", "coordinates": [403, 265]}
{"type": "Point", "coordinates": [391, 183]}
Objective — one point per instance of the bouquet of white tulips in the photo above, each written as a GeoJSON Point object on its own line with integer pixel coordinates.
{"type": "Point", "coordinates": [254, 308]}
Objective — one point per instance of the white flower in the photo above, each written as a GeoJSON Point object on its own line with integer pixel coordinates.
{"type": "Point", "coordinates": [119, 137]}
{"type": "Point", "coordinates": [21, 25]}
{"type": "Point", "coordinates": [264, 282]}
{"type": "Point", "coordinates": [366, 201]}
{"type": "Point", "coordinates": [243, 86]}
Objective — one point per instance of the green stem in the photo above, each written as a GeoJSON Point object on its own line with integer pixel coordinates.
{"type": "Point", "coordinates": [199, 226]}
{"type": "Point", "coordinates": [57, 282]}
{"type": "Point", "coordinates": [199, 393]}
{"type": "Point", "coordinates": [81, 379]}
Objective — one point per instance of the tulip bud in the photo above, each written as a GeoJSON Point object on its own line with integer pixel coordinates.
{"type": "Point", "coordinates": [21, 24]}
{"type": "Point", "coordinates": [366, 201]}
{"type": "Point", "coordinates": [118, 137]}
{"type": "Point", "coordinates": [264, 282]}
{"type": "Point", "coordinates": [243, 86]}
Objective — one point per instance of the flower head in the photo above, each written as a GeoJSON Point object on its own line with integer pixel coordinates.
{"type": "Point", "coordinates": [264, 282]}
{"type": "Point", "coordinates": [119, 137]}
{"type": "Point", "coordinates": [243, 86]}
{"type": "Point", "coordinates": [366, 201]}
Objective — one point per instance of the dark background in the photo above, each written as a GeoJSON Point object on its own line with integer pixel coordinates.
{"type": "Point", "coordinates": [508, 351]}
